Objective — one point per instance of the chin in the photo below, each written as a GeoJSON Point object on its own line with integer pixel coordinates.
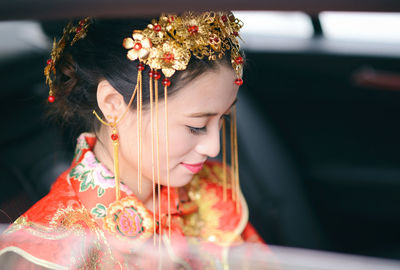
{"type": "Point", "coordinates": [179, 179]}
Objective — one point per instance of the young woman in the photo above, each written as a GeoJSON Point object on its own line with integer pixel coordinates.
{"type": "Point", "coordinates": [154, 99]}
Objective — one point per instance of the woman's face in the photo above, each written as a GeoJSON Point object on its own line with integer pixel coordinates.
{"type": "Point", "coordinates": [195, 113]}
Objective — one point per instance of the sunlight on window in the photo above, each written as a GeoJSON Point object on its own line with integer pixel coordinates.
{"type": "Point", "coordinates": [275, 24]}
{"type": "Point", "coordinates": [361, 26]}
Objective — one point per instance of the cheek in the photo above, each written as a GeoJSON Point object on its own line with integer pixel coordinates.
{"type": "Point", "coordinates": [181, 149]}
{"type": "Point", "coordinates": [181, 143]}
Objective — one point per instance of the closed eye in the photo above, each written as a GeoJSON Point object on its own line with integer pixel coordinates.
{"type": "Point", "coordinates": [196, 130]}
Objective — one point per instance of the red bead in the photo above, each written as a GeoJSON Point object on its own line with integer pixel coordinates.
{"type": "Point", "coordinates": [49, 61]}
{"type": "Point", "coordinates": [78, 29]}
{"type": "Point", "coordinates": [51, 99]}
{"type": "Point", "coordinates": [166, 82]}
{"type": "Point", "coordinates": [235, 34]}
{"type": "Point", "coordinates": [140, 67]}
{"type": "Point", "coordinates": [81, 22]}
{"type": "Point", "coordinates": [239, 60]}
{"type": "Point", "coordinates": [168, 57]}
{"type": "Point", "coordinates": [239, 81]}
{"type": "Point", "coordinates": [137, 46]}
{"type": "Point", "coordinates": [114, 137]}
{"type": "Point", "coordinates": [224, 18]}
{"type": "Point", "coordinates": [171, 19]}
{"type": "Point", "coordinates": [216, 40]}
{"type": "Point", "coordinates": [156, 75]}
{"type": "Point", "coordinates": [157, 27]}
{"type": "Point", "coordinates": [193, 29]}
{"type": "Point", "coordinates": [151, 74]}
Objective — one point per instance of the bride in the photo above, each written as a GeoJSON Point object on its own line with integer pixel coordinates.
{"type": "Point", "coordinates": [153, 100]}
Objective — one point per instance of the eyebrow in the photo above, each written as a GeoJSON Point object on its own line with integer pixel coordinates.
{"type": "Point", "coordinates": [208, 114]}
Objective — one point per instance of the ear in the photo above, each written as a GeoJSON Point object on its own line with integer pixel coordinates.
{"type": "Point", "coordinates": [110, 101]}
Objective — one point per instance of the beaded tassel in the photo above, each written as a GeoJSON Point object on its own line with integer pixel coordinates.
{"type": "Point", "coordinates": [158, 162]}
{"type": "Point", "coordinates": [139, 103]}
{"type": "Point", "coordinates": [167, 154]}
{"type": "Point", "coordinates": [114, 138]}
{"type": "Point", "coordinates": [235, 143]}
{"type": "Point", "coordinates": [152, 156]}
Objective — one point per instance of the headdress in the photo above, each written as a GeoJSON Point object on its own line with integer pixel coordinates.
{"type": "Point", "coordinates": [166, 46]}
{"type": "Point", "coordinates": [72, 33]}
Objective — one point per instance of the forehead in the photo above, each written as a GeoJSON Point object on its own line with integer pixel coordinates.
{"type": "Point", "coordinates": [213, 91]}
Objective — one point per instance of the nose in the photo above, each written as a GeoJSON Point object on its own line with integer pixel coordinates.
{"type": "Point", "coordinates": [209, 144]}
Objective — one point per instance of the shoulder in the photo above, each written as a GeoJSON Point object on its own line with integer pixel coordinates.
{"type": "Point", "coordinates": [52, 232]}
{"type": "Point", "coordinates": [61, 196]}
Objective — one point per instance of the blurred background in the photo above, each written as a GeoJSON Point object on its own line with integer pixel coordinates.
{"type": "Point", "coordinates": [318, 126]}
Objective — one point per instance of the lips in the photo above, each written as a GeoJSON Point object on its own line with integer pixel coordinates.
{"type": "Point", "coordinates": [194, 168]}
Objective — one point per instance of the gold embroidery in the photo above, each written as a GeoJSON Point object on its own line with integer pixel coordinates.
{"type": "Point", "coordinates": [95, 251]}
{"type": "Point", "coordinates": [206, 222]}
{"type": "Point", "coordinates": [37, 229]}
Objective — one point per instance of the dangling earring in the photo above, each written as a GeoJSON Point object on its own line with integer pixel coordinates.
{"type": "Point", "coordinates": [115, 142]}
{"type": "Point", "coordinates": [115, 136]}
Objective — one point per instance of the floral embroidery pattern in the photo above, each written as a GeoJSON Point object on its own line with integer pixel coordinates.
{"type": "Point", "coordinates": [92, 174]}
{"type": "Point", "coordinates": [128, 219]}
{"type": "Point", "coordinates": [128, 222]}
{"type": "Point", "coordinates": [99, 211]}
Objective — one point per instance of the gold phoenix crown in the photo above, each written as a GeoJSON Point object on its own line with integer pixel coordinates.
{"type": "Point", "coordinates": [168, 43]}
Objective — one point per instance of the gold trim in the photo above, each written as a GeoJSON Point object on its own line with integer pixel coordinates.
{"type": "Point", "coordinates": [32, 258]}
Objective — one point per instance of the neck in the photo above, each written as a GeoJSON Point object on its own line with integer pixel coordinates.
{"type": "Point", "coordinates": [103, 152]}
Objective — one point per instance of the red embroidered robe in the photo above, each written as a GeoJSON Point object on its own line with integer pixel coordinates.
{"type": "Point", "coordinates": [78, 225]}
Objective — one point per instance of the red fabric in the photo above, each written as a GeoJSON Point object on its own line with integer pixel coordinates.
{"type": "Point", "coordinates": [79, 224]}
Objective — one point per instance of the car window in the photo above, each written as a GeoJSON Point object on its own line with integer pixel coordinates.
{"type": "Point", "coordinates": [276, 24]}
{"type": "Point", "coordinates": [361, 26]}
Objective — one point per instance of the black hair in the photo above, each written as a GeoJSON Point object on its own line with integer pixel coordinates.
{"type": "Point", "coordinates": [100, 55]}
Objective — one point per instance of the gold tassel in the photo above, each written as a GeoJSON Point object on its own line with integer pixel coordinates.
{"type": "Point", "coordinates": [114, 138]}
{"type": "Point", "coordinates": [158, 162]}
{"type": "Point", "coordinates": [140, 138]}
{"type": "Point", "coordinates": [152, 158]}
{"type": "Point", "coordinates": [167, 154]}
{"type": "Point", "coordinates": [232, 171]}
{"type": "Point", "coordinates": [237, 185]}
{"type": "Point", "coordinates": [139, 135]}
{"type": "Point", "coordinates": [224, 158]}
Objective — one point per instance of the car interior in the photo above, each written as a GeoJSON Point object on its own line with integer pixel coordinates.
{"type": "Point", "coordinates": [318, 130]}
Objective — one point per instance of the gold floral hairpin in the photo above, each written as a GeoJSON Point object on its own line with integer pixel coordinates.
{"type": "Point", "coordinates": [168, 43]}
{"type": "Point", "coordinates": [78, 32]}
